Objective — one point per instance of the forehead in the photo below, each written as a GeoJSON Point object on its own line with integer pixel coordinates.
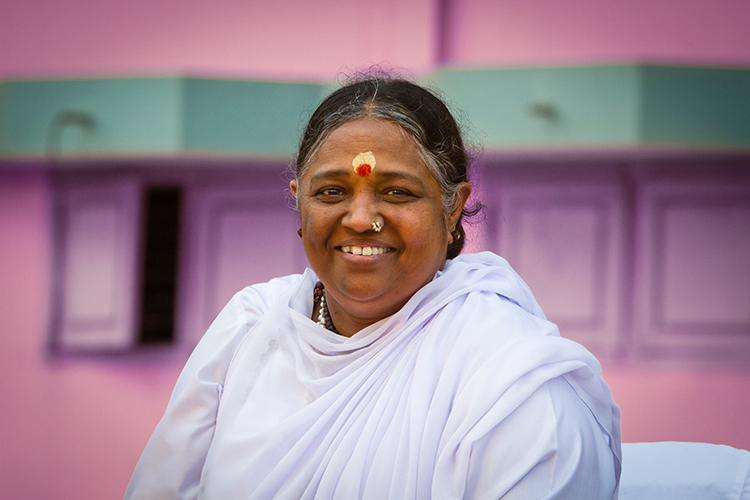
{"type": "Point", "coordinates": [369, 131]}
{"type": "Point", "coordinates": [391, 146]}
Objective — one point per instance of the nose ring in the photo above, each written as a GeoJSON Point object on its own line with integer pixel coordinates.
{"type": "Point", "coordinates": [377, 226]}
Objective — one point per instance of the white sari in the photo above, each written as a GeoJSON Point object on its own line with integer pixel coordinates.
{"type": "Point", "coordinates": [467, 392]}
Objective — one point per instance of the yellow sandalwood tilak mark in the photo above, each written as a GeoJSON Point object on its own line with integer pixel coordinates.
{"type": "Point", "coordinates": [363, 163]}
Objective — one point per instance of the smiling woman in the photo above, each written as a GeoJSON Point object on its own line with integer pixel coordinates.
{"type": "Point", "coordinates": [394, 367]}
{"type": "Point", "coordinates": [370, 275]}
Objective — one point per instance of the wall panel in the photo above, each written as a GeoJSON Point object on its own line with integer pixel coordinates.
{"type": "Point", "coordinates": [97, 266]}
{"type": "Point", "coordinates": [242, 234]}
{"type": "Point", "coordinates": [565, 240]}
{"type": "Point", "coordinates": [694, 272]}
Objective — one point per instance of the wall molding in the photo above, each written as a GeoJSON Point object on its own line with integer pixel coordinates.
{"type": "Point", "coordinates": [627, 107]}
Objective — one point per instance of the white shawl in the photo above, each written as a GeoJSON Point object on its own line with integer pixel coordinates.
{"type": "Point", "coordinates": [467, 392]}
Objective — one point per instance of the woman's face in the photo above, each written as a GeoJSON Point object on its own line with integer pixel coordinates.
{"type": "Point", "coordinates": [337, 207]}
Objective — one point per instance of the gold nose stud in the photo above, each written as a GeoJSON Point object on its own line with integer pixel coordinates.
{"type": "Point", "coordinates": [377, 226]}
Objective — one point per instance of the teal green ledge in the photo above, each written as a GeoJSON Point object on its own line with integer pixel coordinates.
{"type": "Point", "coordinates": [521, 109]}
{"type": "Point", "coordinates": [157, 116]}
{"type": "Point", "coordinates": [623, 106]}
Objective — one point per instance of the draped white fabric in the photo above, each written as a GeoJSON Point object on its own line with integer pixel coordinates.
{"type": "Point", "coordinates": [467, 392]}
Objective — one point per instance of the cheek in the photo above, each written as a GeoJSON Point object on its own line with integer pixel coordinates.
{"type": "Point", "coordinates": [306, 213]}
{"type": "Point", "coordinates": [427, 233]}
{"type": "Point", "coordinates": [317, 224]}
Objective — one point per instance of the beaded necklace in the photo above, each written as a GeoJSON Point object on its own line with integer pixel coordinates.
{"type": "Point", "coordinates": [324, 317]}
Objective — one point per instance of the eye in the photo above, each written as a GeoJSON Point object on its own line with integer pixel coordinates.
{"type": "Point", "coordinates": [398, 194]}
{"type": "Point", "coordinates": [330, 193]}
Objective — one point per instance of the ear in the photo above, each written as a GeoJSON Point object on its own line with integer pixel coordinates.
{"type": "Point", "coordinates": [462, 195]}
{"type": "Point", "coordinates": [293, 187]}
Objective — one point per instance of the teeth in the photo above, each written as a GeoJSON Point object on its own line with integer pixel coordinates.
{"type": "Point", "coordinates": [365, 250]}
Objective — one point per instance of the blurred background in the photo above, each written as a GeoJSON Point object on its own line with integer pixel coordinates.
{"type": "Point", "coordinates": [144, 152]}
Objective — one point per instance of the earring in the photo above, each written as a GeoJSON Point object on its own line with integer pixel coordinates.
{"type": "Point", "coordinates": [456, 236]}
{"type": "Point", "coordinates": [299, 232]}
{"type": "Point", "coordinates": [377, 226]}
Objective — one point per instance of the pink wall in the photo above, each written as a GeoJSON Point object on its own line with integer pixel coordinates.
{"type": "Point", "coordinates": [682, 405]}
{"type": "Point", "coordinates": [315, 40]}
{"type": "Point", "coordinates": [75, 428]}
{"type": "Point", "coordinates": [283, 38]}
{"type": "Point", "coordinates": [71, 429]}
{"type": "Point", "coordinates": [519, 32]}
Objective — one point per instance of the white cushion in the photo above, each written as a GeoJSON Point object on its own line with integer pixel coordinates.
{"type": "Point", "coordinates": [684, 471]}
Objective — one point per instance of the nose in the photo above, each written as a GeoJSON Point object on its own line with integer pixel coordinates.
{"type": "Point", "coordinates": [361, 213]}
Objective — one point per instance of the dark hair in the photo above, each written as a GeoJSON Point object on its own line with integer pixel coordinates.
{"type": "Point", "coordinates": [415, 109]}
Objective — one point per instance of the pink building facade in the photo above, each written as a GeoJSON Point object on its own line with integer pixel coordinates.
{"type": "Point", "coordinates": [74, 426]}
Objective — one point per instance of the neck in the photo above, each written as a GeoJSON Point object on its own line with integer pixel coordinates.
{"type": "Point", "coordinates": [347, 323]}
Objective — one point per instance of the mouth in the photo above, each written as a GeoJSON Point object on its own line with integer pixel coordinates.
{"type": "Point", "coordinates": [355, 250]}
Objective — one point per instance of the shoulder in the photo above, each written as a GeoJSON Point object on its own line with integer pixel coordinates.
{"type": "Point", "coordinates": [488, 272]}
{"type": "Point", "coordinates": [236, 319]}
{"type": "Point", "coordinates": [496, 313]}
{"type": "Point", "coordinates": [549, 446]}
{"type": "Point", "coordinates": [520, 386]}
{"type": "Point", "coordinates": [256, 300]}
{"type": "Point", "coordinates": [496, 332]}
{"type": "Point", "coordinates": [518, 370]}
{"type": "Point", "coordinates": [250, 305]}
{"type": "Point", "coordinates": [491, 325]}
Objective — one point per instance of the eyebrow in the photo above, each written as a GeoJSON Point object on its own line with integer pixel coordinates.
{"type": "Point", "coordinates": [338, 173]}
{"type": "Point", "coordinates": [399, 175]}
{"type": "Point", "coordinates": [329, 174]}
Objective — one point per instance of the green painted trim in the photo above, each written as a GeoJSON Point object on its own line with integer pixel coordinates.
{"type": "Point", "coordinates": [512, 109]}
{"type": "Point", "coordinates": [696, 106]}
{"type": "Point", "coordinates": [131, 115]}
{"type": "Point", "coordinates": [155, 116]}
{"type": "Point", "coordinates": [528, 107]}
{"type": "Point", "coordinates": [257, 118]}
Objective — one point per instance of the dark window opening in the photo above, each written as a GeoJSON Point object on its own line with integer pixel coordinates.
{"type": "Point", "coordinates": [162, 229]}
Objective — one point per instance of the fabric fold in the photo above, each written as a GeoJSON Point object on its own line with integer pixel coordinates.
{"type": "Point", "coordinates": [468, 368]}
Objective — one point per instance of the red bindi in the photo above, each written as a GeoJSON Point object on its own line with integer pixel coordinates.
{"type": "Point", "coordinates": [363, 163]}
{"type": "Point", "coordinates": [363, 169]}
